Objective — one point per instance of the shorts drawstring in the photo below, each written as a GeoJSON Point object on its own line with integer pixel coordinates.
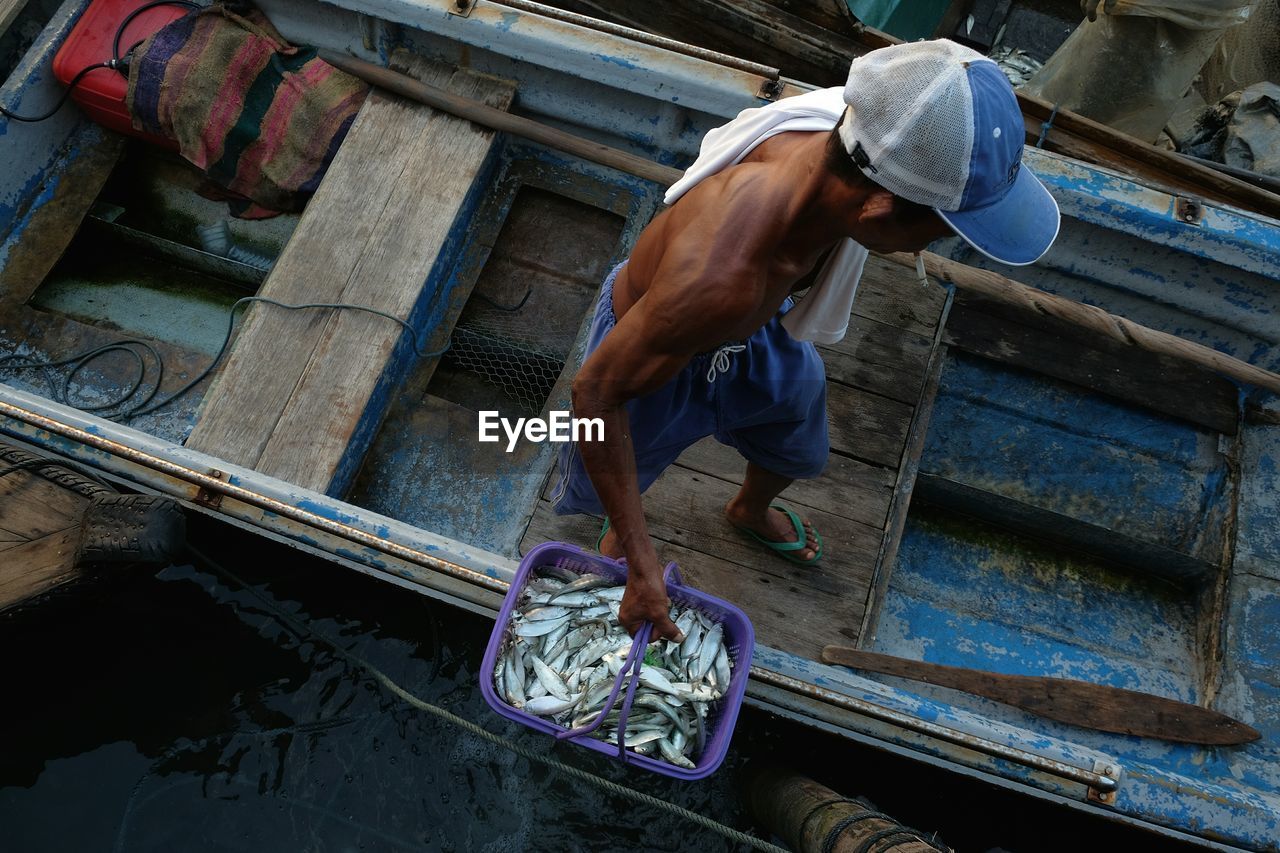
{"type": "Point", "coordinates": [720, 361]}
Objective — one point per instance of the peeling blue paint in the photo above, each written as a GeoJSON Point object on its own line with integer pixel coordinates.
{"type": "Point", "coordinates": [616, 60]}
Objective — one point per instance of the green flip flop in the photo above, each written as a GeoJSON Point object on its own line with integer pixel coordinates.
{"type": "Point", "coordinates": [604, 528]}
{"type": "Point", "coordinates": [787, 550]}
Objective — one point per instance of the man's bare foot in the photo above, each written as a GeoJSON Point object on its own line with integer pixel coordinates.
{"type": "Point", "coordinates": [772, 525]}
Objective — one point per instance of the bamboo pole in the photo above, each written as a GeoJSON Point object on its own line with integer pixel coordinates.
{"type": "Point", "coordinates": [811, 818]}
{"type": "Point", "coordinates": [483, 114]}
{"type": "Point", "coordinates": [1019, 295]}
{"type": "Point", "coordinates": [988, 283]}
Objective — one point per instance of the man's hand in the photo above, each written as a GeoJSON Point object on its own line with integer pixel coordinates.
{"type": "Point", "coordinates": [646, 601]}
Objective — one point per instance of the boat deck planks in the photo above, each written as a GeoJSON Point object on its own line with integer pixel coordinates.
{"type": "Point", "coordinates": [297, 387]}
{"type": "Point", "coordinates": [857, 504]}
{"type": "Point", "coordinates": [39, 532]}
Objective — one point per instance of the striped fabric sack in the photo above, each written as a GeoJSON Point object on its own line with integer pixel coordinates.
{"type": "Point", "coordinates": [262, 118]}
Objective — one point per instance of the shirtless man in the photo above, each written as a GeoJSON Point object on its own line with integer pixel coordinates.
{"type": "Point", "coordinates": [687, 339]}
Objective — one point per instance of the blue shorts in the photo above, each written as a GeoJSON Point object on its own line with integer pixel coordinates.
{"type": "Point", "coordinates": [765, 396]}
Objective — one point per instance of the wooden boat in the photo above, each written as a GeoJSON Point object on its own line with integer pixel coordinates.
{"type": "Point", "coordinates": [1006, 492]}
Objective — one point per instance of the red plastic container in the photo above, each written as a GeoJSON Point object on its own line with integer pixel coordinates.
{"type": "Point", "coordinates": [102, 92]}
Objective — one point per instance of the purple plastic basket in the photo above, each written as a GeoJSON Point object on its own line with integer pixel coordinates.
{"type": "Point", "coordinates": [739, 640]}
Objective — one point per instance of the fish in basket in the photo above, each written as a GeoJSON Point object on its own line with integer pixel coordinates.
{"type": "Point", "coordinates": [559, 661]}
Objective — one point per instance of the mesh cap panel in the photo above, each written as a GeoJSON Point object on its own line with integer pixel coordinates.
{"type": "Point", "coordinates": [911, 110]}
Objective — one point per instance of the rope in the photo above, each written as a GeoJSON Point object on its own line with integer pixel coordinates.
{"type": "Point", "coordinates": [1045, 125]}
{"type": "Point", "coordinates": [819, 807]}
{"type": "Point", "coordinates": [894, 832]}
{"type": "Point", "coordinates": [144, 406]}
{"type": "Point", "coordinates": [305, 632]}
{"type": "Point", "coordinates": [833, 835]}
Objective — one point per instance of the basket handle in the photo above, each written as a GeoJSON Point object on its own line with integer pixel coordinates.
{"type": "Point", "coordinates": [630, 668]}
{"type": "Point", "coordinates": [634, 655]}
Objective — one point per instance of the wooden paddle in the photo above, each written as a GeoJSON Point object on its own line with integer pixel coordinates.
{"type": "Point", "coordinates": [1095, 706]}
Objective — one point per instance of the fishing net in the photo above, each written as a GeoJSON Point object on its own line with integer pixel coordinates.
{"type": "Point", "coordinates": [502, 345]}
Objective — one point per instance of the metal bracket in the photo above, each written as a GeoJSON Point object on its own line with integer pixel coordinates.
{"type": "Point", "coordinates": [770, 90]}
{"type": "Point", "coordinates": [1188, 210]}
{"type": "Point", "coordinates": [207, 498]}
{"type": "Point", "coordinates": [1112, 772]}
{"type": "Point", "coordinates": [462, 8]}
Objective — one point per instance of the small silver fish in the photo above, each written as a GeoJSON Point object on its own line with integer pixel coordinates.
{"type": "Point", "coordinates": [654, 678]}
{"type": "Point", "coordinates": [673, 755]}
{"type": "Point", "coordinates": [722, 669]}
{"type": "Point", "coordinates": [656, 703]}
{"type": "Point", "coordinates": [582, 584]}
{"type": "Point", "coordinates": [540, 628]}
{"type": "Point", "coordinates": [546, 706]}
{"type": "Point", "coordinates": [546, 611]}
{"type": "Point", "coordinates": [559, 573]}
{"type": "Point", "coordinates": [707, 651]}
{"type": "Point", "coordinates": [549, 679]}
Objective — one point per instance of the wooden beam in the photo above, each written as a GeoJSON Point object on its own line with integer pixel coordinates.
{"type": "Point", "coordinates": [53, 225]}
{"type": "Point", "coordinates": [499, 119]}
{"type": "Point", "coordinates": [1093, 139]}
{"type": "Point", "coordinates": [1115, 545]}
{"type": "Point", "coordinates": [1058, 349]}
{"type": "Point", "coordinates": [301, 393]}
{"type": "Point", "coordinates": [1008, 291]}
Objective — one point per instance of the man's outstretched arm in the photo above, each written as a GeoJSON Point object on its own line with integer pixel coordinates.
{"type": "Point", "coordinates": [649, 346]}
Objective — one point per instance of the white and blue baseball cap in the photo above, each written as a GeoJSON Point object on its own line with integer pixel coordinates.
{"type": "Point", "coordinates": [938, 124]}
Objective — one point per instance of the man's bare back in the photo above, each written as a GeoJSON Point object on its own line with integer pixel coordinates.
{"type": "Point", "coordinates": [734, 231]}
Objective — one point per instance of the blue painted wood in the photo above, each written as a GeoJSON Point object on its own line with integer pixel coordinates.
{"type": "Point", "coordinates": [35, 155]}
{"type": "Point", "coordinates": [1072, 453]}
{"type": "Point", "coordinates": [965, 594]}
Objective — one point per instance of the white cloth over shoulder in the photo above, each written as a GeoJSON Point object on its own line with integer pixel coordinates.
{"type": "Point", "coordinates": [823, 315]}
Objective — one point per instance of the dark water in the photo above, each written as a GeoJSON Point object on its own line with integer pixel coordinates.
{"type": "Point", "coordinates": [172, 711]}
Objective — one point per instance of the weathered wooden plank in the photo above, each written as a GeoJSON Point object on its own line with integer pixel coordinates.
{"type": "Point", "coordinates": [54, 223]}
{"type": "Point", "coordinates": [770, 35]}
{"type": "Point", "coordinates": [866, 426]}
{"type": "Point", "coordinates": [686, 508]}
{"type": "Point", "coordinates": [31, 507]}
{"type": "Point", "coordinates": [853, 489]}
{"type": "Point", "coordinates": [880, 358]}
{"type": "Point", "coordinates": [298, 386]}
{"type": "Point", "coordinates": [1055, 348]}
{"type": "Point", "coordinates": [889, 293]}
{"type": "Point", "coordinates": [1113, 544]}
{"type": "Point", "coordinates": [355, 347]}
{"type": "Point", "coordinates": [38, 565]}
{"type": "Point", "coordinates": [39, 532]}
